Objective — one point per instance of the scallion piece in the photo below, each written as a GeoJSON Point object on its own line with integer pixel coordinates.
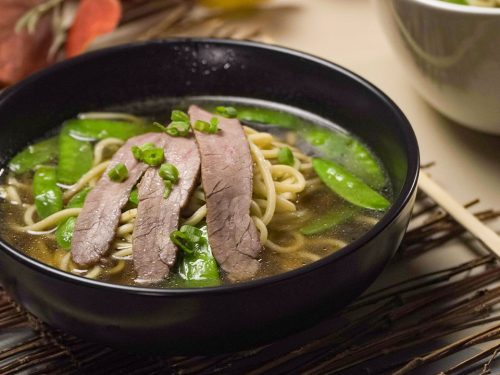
{"type": "Point", "coordinates": [118, 173]}
{"type": "Point", "coordinates": [194, 234]}
{"type": "Point", "coordinates": [138, 152]}
{"type": "Point", "coordinates": [169, 172]}
{"type": "Point", "coordinates": [207, 127]}
{"type": "Point", "coordinates": [186, 238]}
{"type": "Point", "coordinates": [178, 129]}
{"type": "Point", "coordinates": [229, 112]}
{"type": "Point", "coordinates": [168, 188]}
{"type": "Point", "coordinates": [175, 128]}
{"type": "Point", "coordinates": [179, 116]}
{"type": "Point", "coordinates": [180, 240]}
{"type": "Point", "coordinates": [134, 197]}
{"type": "Point", "coordinates": [285, 156]}
{"type": "Point", "coordinates": [153, 156]}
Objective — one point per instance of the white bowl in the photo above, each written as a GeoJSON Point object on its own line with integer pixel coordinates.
{"type": "Point", "coordinates": [452, 54]}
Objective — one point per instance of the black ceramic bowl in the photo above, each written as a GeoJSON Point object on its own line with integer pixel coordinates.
{"type": "Point", "coordinates": [227, 317]}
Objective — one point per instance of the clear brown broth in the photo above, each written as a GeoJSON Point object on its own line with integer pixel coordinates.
{"type": "Point", "coordinates": [44, 248]}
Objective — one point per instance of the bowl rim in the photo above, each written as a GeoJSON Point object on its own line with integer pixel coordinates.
{"type": "Point", "coordinates": [403, 198]}
{"type": "Point", "coordinates": [458, 8]}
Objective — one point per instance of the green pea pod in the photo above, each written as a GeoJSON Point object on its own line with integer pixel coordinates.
{"type": "Point", "coordinates": [34, 155]}
{"type": "Point", "coordinates": [48, 196]}
{"type": "Point", "coordinates": [75, 150]}
{"type": "Point", "coordinates": [75, 157]}
{"type": "Point", "coordinates": [199, 268]}
{"type": "Point", "coordinates": [348, 186]}
{"type": "Point", "coordinates": [94, 129]}
{"type": "Point", "coordinates": [327, 221]}
{"type": "Point", "coordinates": [64, 233]}
{"type": "Point", "coordinates": [268, 116]}
{"type": "Point", "coordinates": [79, 198]}
{"type": "Point", "coordinates": [348, 152]}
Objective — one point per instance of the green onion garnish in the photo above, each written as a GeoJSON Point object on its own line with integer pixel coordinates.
{"type": "Point", "coordinates": [169, 172]}
{"type": "Point", "coordinates": [178, 129]}
{"type": "Point", "coordinates": [207, 127]}
{"type": "Point", "coordinates": [168, 188]}
{"type": "Point", "coordinates": [153, 156]}
{"type": "Point", "coordinates": [118, 173]}
{"type": "Point", "coordinates": [229, 112]}
{"type": "Point", "coordinates": [138, 152]}
{"type": "Point", "coordinates": [179, 116]}
{"type": "Point", "coordinates": [134, 197]}
{"type": "Point", "coordinates": [186, 238]}
{"type": "Point", "coordinates": [285, 156]}
{"type": "Point", "coordinates": [175, 128]}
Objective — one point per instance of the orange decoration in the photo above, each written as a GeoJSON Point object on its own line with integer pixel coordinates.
{"type": "Point", "coordinates": [93, 18]}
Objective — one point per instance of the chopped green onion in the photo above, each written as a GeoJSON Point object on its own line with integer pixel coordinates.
{"type": "Point", "coordinates": [134, 197]}
{"type": "Point", "coordinates": [207, 127]}
{"type": "Point", "coordinates": [179, 116]}
{"type": "Point", "coordinates": [180, 239]}
{"type": "Point", "coordinates": [194, 234]}
{"type": "Point", "coordinates": [138, 152]}
{"type": "Point", "coordinates": [153, 156]}
{"type": "Point", "coordinates": [160, 126]}
{"type": "Point", "coordinates": [285, 156]}
{"type": "Point", "coordinates": [229, 112]}
{"type": "Point", "coordinates": [118, 173]}
{"type": "Point", "coordinates": [178, 128]}
{"type": "Point", "coordinates": [175, 128]}
{"type": "Point", "coordinates": [186, 238]}
{"type": "Point", "coordinates": [169, 172]}
{"type": "Point", "coordinates": [168, 188]}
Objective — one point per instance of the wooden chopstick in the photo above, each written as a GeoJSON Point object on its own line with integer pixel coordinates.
{"type": "Point", "coordinates": [483, 233]}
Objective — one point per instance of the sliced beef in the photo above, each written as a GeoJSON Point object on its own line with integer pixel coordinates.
{"type": "Point", "coordinates": [153, 251]}
{"type": "Point", "coordinates": [96, 225]}
{"type": "Point", "coordinates": [226, 172]}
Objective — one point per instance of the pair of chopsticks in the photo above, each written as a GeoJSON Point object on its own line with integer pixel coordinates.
{"type": "Point", "coordinates": [486, 235]}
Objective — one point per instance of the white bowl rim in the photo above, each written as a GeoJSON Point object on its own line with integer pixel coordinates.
{"type": "Point", "coordinates": [458, 8]}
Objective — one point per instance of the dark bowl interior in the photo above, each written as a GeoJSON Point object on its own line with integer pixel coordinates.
{"type": "Point", "coordinates": [228, 317]}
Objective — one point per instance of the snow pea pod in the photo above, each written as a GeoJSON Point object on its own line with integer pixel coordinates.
{"type": "Point", "coordinates": [64, 231]}
{"type": "Point", "coordinates": [269, 117]}
{"type": "Point", "coordinates": [75, 150]}
{"type": "Point", "coordinates": [348, 186]}
{"type": "Point", "coordinates": [327, 221]}
{"type": "Point", "coordinates": [48, 196]}
{"type": "Point", "coordinates": [199, 268]}
{"type": "Point", "coordinates": [34, 155]}
{"type": "Point", "coordinates": [75, 157]}
{"type": "Point", "coordinates": [96, 129]}
{"type": "Point", "coordinates": [78, 199]}
{"type": "Point", "coordinates": [348, 152]}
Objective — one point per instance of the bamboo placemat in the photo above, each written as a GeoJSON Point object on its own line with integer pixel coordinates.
{"type": "Point", "coordinates": [396, 329]}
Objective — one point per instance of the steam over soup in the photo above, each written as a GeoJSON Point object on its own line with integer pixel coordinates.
{"type": "Point", "coordinates": [209, 196]}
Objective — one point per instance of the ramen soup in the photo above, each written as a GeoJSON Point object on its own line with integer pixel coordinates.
{"type": "Point", "coordinates": [202, 197]}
